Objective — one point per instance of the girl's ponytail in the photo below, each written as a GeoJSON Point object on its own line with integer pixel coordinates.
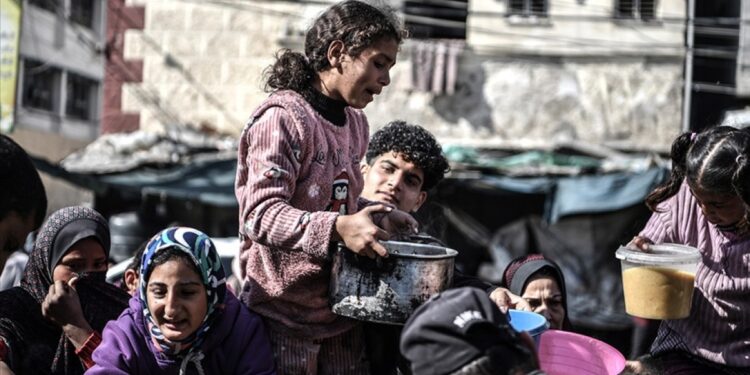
{"type": "Point", "coordinates": [291, 71]}
{"type": "Point", "coordinates": [679, 151]}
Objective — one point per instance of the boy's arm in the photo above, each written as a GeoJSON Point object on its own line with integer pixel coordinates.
{"type": "Point", "coordinates": [266, 182]}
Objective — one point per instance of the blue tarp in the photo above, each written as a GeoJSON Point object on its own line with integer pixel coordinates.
{"type": "Point", "coordinates": [584, 194]}
{"type": "Point", "coordinates": [212, 182]}
{"type": "Point", "coordinates": [207, 181]}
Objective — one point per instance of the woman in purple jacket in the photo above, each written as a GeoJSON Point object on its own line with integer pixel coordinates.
{"type": "Point", "coordinates": [183, 320]}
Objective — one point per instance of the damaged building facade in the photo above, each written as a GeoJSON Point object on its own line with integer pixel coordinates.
{"type": "Point", "coordinates": [523, 72]}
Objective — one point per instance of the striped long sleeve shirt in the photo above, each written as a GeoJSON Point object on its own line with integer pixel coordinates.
{"type": "Point", "coordinates": [296, 173]}
{"type": "Point", "coordinates": [718, 328]}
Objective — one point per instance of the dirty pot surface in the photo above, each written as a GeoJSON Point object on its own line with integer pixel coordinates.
{"type": "Point", "coordinates": [388, 290]}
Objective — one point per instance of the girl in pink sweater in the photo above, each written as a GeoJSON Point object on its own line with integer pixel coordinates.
{"type": "Point", "coordinates": [298, 183]}
{"type": "Point", "coordinates": [706, 204]}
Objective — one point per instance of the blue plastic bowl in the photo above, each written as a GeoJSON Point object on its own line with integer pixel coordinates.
{"type": "Point", "coordinates": [525, 321]}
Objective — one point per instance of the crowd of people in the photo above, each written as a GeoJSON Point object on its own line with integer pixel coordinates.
{"type": "Point", "coordinates": [311, 181]}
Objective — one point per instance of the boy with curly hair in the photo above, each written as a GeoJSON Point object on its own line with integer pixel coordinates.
{"type": "Point", "coordinates": [403, 162]}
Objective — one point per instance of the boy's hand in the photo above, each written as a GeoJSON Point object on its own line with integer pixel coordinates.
{"type": "Point", "coordinates": [399, 223]}
{"type": "Point", "coordinates": [360, 234]}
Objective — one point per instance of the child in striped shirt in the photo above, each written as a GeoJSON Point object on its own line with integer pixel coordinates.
{"type": "Point", "coordinates": [706, 204]}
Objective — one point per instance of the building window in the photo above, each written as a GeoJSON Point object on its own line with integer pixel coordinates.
{"type": "Point", "coordinates": [81, 94]}
{"type": "Point", "coordinates": [528, 8]}
{"type": "Point", "coordinates": [41, 84]}
{"type": "Point", "coordinates": [635, 9]}
{"type": "Point", "coordinates": [82, 12]}
{"type": "Point", "coordinates": [436, 19]}
{"type": "Point", "coordinates": [50, 5]}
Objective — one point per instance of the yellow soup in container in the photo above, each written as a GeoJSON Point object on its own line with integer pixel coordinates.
{"type": "Point", "coordinates": [659, 284]}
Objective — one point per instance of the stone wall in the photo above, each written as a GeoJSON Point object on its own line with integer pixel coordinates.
{"type": "Point", "coordinates": [203, 63]}
{"type": "Point", "coordinates": [633, 103]}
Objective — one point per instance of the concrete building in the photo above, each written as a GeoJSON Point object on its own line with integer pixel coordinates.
{"type": "Point", "coordinates": [531, 71]}
{"type": "Point", "coordinates": [59, 88]}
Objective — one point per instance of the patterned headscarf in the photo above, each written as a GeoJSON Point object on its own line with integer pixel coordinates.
{"type": "Point", "coordinates": [38, 345]}
{"type": "Point", "coordinates": [59, 233]}
{"type": "Point", "coordinates": [203, 253]}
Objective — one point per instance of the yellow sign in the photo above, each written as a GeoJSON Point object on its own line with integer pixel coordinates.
{"type": "Point", "coordinates": [10, 28]}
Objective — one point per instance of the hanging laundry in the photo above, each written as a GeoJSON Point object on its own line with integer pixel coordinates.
{"type": "Point", "coordinates": [435, 65]}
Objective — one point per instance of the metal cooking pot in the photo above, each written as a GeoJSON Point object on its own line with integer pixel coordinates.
{"type": "Point", "coordinates": [387, 290]}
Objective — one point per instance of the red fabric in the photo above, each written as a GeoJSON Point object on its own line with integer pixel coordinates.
{"type": "Point", "coordinates": [516, 264]}
{"type": "Point", "coordinates": [3, 351]}
{"type": "Point", "coordinates": [85, 351]}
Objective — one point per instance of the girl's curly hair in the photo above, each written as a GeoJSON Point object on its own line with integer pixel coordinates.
{"type": "Point", "coordinates": [357, 24]}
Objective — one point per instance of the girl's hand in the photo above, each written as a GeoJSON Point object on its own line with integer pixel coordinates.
{"type": "Point", "coordinates": [360, 234]}
{"type": "Point", "coordinates": [63, 307]}
{"type": "Point", "coordinates": [640, 243]}
{"type": "Point", "coordinates": [398, 222]}
{"type": "Point", "coordinates": [505, 300]}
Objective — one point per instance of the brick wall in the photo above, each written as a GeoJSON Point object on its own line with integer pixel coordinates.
{"type": "Point", "coordinates": [119, 69]}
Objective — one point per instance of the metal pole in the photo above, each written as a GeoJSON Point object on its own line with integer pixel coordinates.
{"type": "Point", "coordinates": [688, 77]}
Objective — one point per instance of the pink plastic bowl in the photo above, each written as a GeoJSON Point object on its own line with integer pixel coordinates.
{"type": "Point", "coordinates": [566, 353]}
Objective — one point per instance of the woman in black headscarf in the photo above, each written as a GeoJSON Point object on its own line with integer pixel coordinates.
{"type": "Point", "coordinates": [52, 323]}
{"type": "Point", "coordinates": [541, 283]}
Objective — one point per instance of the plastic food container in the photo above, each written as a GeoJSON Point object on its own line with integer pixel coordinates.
{"type": "Point", "coordinates": [659, 284]}
{"type": "Point", "coordinates": [566, 353]}
{"type": "Point", "coordinates": [525, 321]}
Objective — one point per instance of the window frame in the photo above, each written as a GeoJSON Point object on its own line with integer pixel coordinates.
{"type": "Point", "coordinates": [27, 87]}
{"type": "Point", "coordinates": [435, 31]}
{"type": "Point", "coordinates": [527, 11]}
{"type": "Point", "coordinates": [61, 98]}
{"type": "Point", "coordinates": [636, 13]}
{"type": "Point", "coordinates": [68, 10]}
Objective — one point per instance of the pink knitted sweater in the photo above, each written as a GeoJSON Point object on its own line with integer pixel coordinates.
{"type": "Point", "coordinates": [296, 173]}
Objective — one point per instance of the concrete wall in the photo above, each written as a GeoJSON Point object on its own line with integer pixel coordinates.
{"type": "Point", "coordinates": [202, 62]}
{"type": "Point", "coordinates": [576, 28]}
{"type": "Point", "coordinates": [616, 82]}
{"type": "Point", "coordinates": [633, 102]}
{"type": "Point", "coordinates": [51, 39]}
{"type": "Point", "coordinates": [48, 37]}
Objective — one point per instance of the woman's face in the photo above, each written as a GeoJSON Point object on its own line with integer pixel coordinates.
{"type": "Point", "coordinates": [545, 298]}
{"type": "Point", "coordinates": [362, 77]}
{"type": "Point", "coordinates": [86, 255]}
{"type": "Point", "coordinates": [719, 209]}
{"type": "Point", "coordinates": [177, 299]}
